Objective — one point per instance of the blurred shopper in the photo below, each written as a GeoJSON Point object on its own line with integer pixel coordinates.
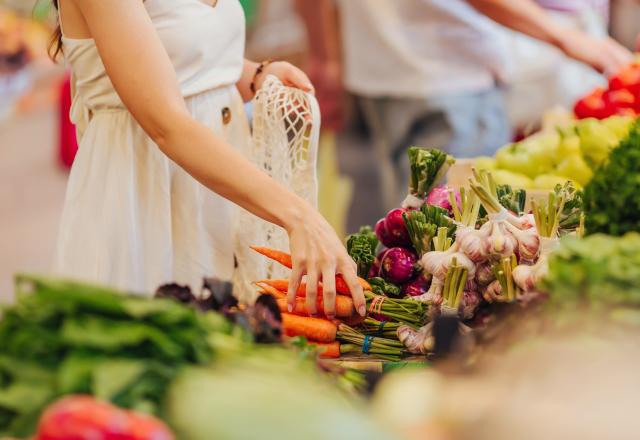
{"type": "Point", "coordinates": [159, 108]}
{"type": "Point", "coordinates": [15, 78]}
{"type": "Point", "coordinates": [537, 65]}
{"type": "Point", "coordinates": [430, 72]}
{"type": "Point", "coordinates": [335, 194]}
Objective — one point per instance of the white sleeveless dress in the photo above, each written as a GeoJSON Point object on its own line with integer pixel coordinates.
{"type": "Point", "coordinates": [132, 218]}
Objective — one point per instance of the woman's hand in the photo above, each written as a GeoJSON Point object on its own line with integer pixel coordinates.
{"type": "Point", "coordinates": [289, 74]}
{"type": "Point", "coordinates": [603, 54]}
{"type": "Point", "coordinates": [317, 253]}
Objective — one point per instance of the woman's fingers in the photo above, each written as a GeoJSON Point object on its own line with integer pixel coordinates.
{"type": "Point", "coordinates": [297, 78]}
{"type": "Point", "coordinates": [355, 288]}
{"type": "Point", "coordinates": [312, 290]}
{"type": "Point", "coordinates": [294, 283]}
{"type": "Point", "coordinates": [329, 290]}
{"type": "Point", "coordinates": [616, 55]}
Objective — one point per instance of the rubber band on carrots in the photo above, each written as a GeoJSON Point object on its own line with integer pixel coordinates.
{"type": "Point", "coordinates": [376, 304]}
{"type": "Point", "coordinates": [366, 344]}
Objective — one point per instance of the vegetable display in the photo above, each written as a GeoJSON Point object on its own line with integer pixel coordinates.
{"type": "Point", "coordinates": [573, 151]}
{"type": "Point", "coordinates": [481, 247]}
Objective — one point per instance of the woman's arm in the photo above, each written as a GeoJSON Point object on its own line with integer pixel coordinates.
{"type": "Point", "coordinates": [143, 76]}
{"type": "Point", "coordinates": [603, 54]}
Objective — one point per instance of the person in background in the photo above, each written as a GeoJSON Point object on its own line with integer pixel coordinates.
{"type": "Point", "coordinates": [431, 72]}
{"type": "Point", "coordinates": [539, 65]}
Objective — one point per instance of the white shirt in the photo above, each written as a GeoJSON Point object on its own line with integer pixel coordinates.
{"type": "Point", "coordinates": [419, 48]}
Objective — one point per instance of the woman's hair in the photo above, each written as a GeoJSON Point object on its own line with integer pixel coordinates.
{"type": "Point", "coordinates": [55, 44]}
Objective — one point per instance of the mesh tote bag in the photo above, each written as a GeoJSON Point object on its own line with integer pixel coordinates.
{"type": "Point", "coordinates": [285, 131]}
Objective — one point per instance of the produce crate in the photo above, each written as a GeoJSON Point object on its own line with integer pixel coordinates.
{"type": "Point", "coordinates": [460, 172]}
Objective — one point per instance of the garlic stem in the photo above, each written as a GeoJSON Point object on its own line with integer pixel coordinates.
{"type": "Point", "coordinates": [462, 281]}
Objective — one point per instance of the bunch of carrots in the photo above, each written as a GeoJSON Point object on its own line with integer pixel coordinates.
{"type": "Point", "coordinates": [326, 334]}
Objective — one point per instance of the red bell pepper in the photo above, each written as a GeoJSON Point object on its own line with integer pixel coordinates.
{"type": "Point", "coordinates": [85, 418]}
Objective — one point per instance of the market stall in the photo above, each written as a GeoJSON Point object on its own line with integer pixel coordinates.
{"type": "Point", "coordinates": [507, 251]}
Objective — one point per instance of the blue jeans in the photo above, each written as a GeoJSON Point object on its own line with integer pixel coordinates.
{"type": "Point", "coordinates": [463, 125]}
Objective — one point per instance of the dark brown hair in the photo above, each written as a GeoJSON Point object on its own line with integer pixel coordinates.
{"type": "Point", "coordinates": [55, 44]}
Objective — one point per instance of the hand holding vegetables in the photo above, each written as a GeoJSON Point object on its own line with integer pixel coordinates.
{"type": "Point", "coordinates": [343, 266]}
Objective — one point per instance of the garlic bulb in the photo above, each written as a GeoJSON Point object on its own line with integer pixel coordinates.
{"type": "Point", "coordinates": [419, 341]}
{"type": "Point", "coordinates": [501, 243]}
{"type": "Point", "coordinates": [433, 295]}
{"type": "Point", "coordinates": [525, 277]}
{"type": "Point", "coordinates": [528, 242]}
{"type": "Point", "coordinates": [493, 292]}
{"type": "Point", "coordinates": [484, 274]}
{"type": "Point", "coordinates": [437, 263]}
{"type": "Point", "coordinates": [474, 245]}
{"type": "Point", "coordinates": [470, 302]}
{"type": "Point", "coordinates": [523, 222]}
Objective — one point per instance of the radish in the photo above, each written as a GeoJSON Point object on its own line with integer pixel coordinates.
{"type": "Point", "coordinates": [396, 229]}
{"type": "Point", "coordinates": [416, 287]}
{"type": "Point", "coordinates": [398, 265]}
{"type": "Point", "coordinates": [439, 196]}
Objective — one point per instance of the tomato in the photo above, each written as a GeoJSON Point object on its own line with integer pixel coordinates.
{"type": "Point", "coordinates": [619, 99]}
{"type": "Point", "coordinates": [85, 418]}
{"type": "Point", "coordinates": [594, 105]}
{"type": "Point", "coordinates": [628, 78]}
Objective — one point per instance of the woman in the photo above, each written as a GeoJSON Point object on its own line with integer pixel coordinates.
{"type": "Point", "coordinates": [158, 103]}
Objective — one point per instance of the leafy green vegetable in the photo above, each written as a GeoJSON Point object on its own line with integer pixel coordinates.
{"type": "Point", "coordinates": [428, 167]}
{"type": "Point", "coordinates": [362, 247]}
{"type": "Point", "coordinates": [598, 269]}
{"type": "Point", "coordinates": [381, 287]}
{"type": "Point", "coordinates": [66, 337]}
{"type": "Point", "coordinates": [612, 197]}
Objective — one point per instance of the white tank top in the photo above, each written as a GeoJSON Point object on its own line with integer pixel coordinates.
{"type": "Point", "coordinates": [205, 45]}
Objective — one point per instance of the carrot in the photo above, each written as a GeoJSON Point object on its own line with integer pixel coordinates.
{"type": "Point", "coordinates": [275, 255]}
{"type": "Point", "coordinates": [285, 259]}
{"type": "Point", "coordinates": [343, 289]}
{"type": "Point", "coordinates": [329, 351]}
{"type": "Point", "coordinates": [341, 286]}
{"type": "Point", "coordinates": [314, 329]}
{"type": "Point", "coordinates": [283, 286]}
{"type": "Point", "coordinates": [344, 309]}
{"type": "Point", "coordinates": [266, 288]}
